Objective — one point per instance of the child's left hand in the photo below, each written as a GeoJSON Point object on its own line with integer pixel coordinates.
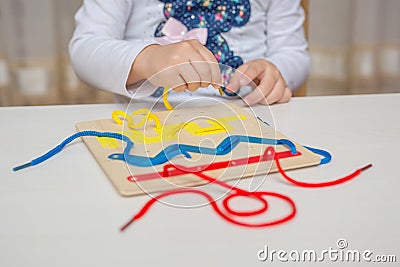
{"type": "Point", "coordinates": [271, 87]}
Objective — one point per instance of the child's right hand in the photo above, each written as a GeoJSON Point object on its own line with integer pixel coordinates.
{"type": "Point", "coordinates": [183, 65]}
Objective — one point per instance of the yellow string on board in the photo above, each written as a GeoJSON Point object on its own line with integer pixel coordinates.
{"type": "Point", "coordinates": [165, 132]}
{"type": "Point", "coordinates": [148, 115]}
{"type": "Point", "coordinates": [218, 125]}
{"type": "Point", "coordinates": [165, 99]}
{"type": "Point", "coordinates": [118, 114]}
{"type": "Point", "coordinates": [221, 92]}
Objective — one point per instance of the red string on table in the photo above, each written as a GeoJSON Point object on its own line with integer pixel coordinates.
{"type": "Point", "coordinates": [228, 213]}
{"type": "Point", "coordinates": [235, 192]}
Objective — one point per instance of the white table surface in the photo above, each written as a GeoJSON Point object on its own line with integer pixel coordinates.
{"type": "Point", "coordinates": [65, 212]}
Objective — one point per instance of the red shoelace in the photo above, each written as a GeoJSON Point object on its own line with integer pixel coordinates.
{"type": "Point", "coordinates": [228, 213]}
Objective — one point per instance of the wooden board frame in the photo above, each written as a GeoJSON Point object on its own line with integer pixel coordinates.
{"type": "Point", "coordinates": [121, 173]}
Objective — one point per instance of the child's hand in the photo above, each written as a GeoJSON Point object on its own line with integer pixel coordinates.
{"type": "Point", "coordinates": [271, 89]}
{"type": "Point", "coordinates": [183, 65]}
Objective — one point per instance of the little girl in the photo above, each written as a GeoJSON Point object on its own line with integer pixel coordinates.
{"type": "Point", "coordinates": [118, 44]}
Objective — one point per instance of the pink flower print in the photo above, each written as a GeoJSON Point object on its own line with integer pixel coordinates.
{"type": "Point", "coordinates": [218, 17]}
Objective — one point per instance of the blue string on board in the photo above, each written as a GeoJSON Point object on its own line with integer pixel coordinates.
{"type": "Point", "coordinates": [326, 156]}
{"type": "Point", "coordinates": [68, 140]}
{"type": "Point", "coordinates": [231, 94]}
{"type": "Point", "coordinates": [225, 147]}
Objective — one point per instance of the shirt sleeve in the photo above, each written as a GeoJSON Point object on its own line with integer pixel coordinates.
{"type": "Point", "coordinates": [100, 56]}
{"type": "Point", "coordinates": [286, 42]}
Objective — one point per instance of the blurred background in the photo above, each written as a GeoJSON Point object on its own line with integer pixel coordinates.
{"type": "Point", "coordinates": [354, 46]}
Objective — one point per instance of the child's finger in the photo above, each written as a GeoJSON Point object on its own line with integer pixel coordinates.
{"type": "Point", "coordinates": [190, 76]}
{"type": "Point", "coordinates": [276, 93]}
{"type": "Point", "coordinates": [256, 96]}
{"type": "Point", "coordinates": [234, 83]}
{"type": "Point", "coordinates": [264, 88]}
{"type": "Point", "coordinates": [286, 96]}
{"type": "Point", "coordinates": [216, 79]}
{"type": "Point", "coordinates": [252, 72]}
{"type": "Point", "coordinates": [204, 71]}
{"type": "Point", "coordinates": [178, 84]}
{"type": "Point", "coordinates": [201, 59]}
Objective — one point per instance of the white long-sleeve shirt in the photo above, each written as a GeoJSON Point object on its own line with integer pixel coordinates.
{"type": "Point", "coordinates": [110, 34]}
